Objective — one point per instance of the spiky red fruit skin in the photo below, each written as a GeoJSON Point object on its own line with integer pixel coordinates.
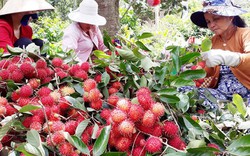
{"type": "Point", "coordinates": [170, 129]}
{"type": "Point", "coordinates": [148, 119]}
{"type": "Point", "coordinates": [98, 78]}
{"type": "Point", "coordinates": [36, 126]}
{"type": "Point", "coordinates": [139, 151]}
{"type": "Point", "coordinates": [135, 113]}
{"type": "Point", "coordinates": [126, 128]}
{"type": "Point", "coordinates": [112, 100]}
{"type": "Point", "coordinates": [28, 70]}
{"type": "Point", "coordinates": [112, 90]}
{"type": "Point", "coordinates": [23, 101]}
{"type": "Point", "coordinates": [158, 109]}
{"type": "Point", "coordinates": [117, 85]}
{"type": "Point", "coordinates": [97, 105]}
{"type": "Point", "coordinates": [81, 74]}
{"type": "Point", "coordinates": [41, 63]}
{"type": "Point", "coordinates": [4, 74]}
{"type": "Point", "coordinates": [17, 76]}
{"type": "Point", "coordinates": [123, 144]}
{"type": "Point", "coordinates": [94, 95]}
{"type": "Point", "coordinates": [74, 68]}
{"type": "Point", "coordinates": [57, 126]}
{"type": "Point", "coordinates": [153, 145]}
{"type": "Point", "coordinates": [143, 91]}
{"type": "Point", "coordinates": [3, 101]}
{"type": "Point", "coordinates": [177, 143]}
{"type": "Point", "coordinates": [47, 100]}
{"type": "Point", "coordinates": [66, 148]}
{"type": "Point", "coordinates": [118, 115]}
{"type": "Point", "coordinates": [105, 114]}
{"type": "Point", "coordinates": [25, 91]}
{"type": "Point", "coordinates": [85, 66]}
{"type": "Point", "coordinates": [34, 83]}
{"type": "Point", "coordinates": [44, 91]}
{"type": "Point", "coordinates": [2, 110]}
{"type": "Point", "coordinates": [123, 104]}
{"type": "Point", "coordinates": [89, 84]}
{"type": "Point", "coordinates": [70, 127]}
{"type": "Point", "coordinates": [57, 62]}
{"type": "Point", "coordinates": [41, 73]}
{"type": "Point", "coordinates": [145, 101]}
{"type": "Point", "coordinates": [10, 110]}
{"type": "Point", "coordinates": [58, 138]}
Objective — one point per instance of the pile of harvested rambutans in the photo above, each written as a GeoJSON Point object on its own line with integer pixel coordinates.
{"type": "Point", "coordinates": [54, 98]}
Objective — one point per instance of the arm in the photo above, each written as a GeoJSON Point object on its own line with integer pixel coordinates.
{"type": "Point", "coordinates": [5, 38]}
{"type": "Point", "coordinates": [70, 39]}
{"type": "Point", "coordinates": [101, 45]}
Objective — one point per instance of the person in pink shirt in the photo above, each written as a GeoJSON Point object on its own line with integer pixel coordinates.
{"type": "Point", "coordinates": [83, 34]}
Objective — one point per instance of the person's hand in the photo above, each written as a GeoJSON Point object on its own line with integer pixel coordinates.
{"type": "Point", "coordinates": [216, 57]}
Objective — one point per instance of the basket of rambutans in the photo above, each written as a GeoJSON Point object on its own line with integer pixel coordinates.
{"type": "Point", "coordinates": [50, 107]}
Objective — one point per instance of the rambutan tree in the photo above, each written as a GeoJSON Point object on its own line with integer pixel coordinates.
{"type": "Point", "coordinates": [123, 101]}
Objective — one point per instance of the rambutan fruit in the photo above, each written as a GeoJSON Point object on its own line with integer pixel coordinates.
{"type": "Point", "coordinates": [153, 145]}
{"type": "Point", "coordinates": [123, 104]}
{"type": "Point", "coordinates": [97, 105]}
{"type": "Point", "coordinates": [70, 127]}
{"type": "Point", "coordinates": [123, 144]}
{"type": "Point", "coordinates": [81, 74]}
{"type": "Point", "coordinates": [89, 84]}
{"type": "Point", "coordinates": [85, 66]}
{"type": "Point", "coordinates": [139, 151]}
{"type": "Point", "coordinates": [58, 138]}
{"type": "Point", "coordinates": [3, 101]}
{"type": "Point", "coordinates": [112, 90]}
{"type": "Point", "coordinates": [105, 113]}
{"type": "Point", "coordinates": [28, 70]}
{"type": "Point", "coordinates": [66, 148]}
{"type": "Point", "coordinates": [148, 119]}
{"type": "Point", "coordinates": [57, 62]}
{"type": "Point", "coordinates": [158, 109]}
{"type": "Point", "coordinates": [126, 128]}
{"type": "Point", "coordinates": [112, 100]}
{"type": "Point", "coordinates": [17, 76]}
{"type": "Point", "coordinates": [44, 91]}
{"type": "Point", "coordinates": [177, 143]}
{"type": "Point", "coordinates": [36, 126]}
{"type": "Point", "coordinates": [118, 115]}
{"type": "Point", "coordinates": [94, 95]}
{"type": "Point", "coordinates": [143, 91]}
{"type": "Point", "coordinates": [170, 129]}
{"type": "Point", "coordinates": [34, 83]}
{"type": "Point", "coordinates": [41, 63]}
{"type": "Point", "coordinates": [5, 74]}
{"type": "Point", "coordinates": [145, 101]}
{"type": "Point", "coordinates": [135, 112]}
{"type": "Point", "coordinates": [25, 91]}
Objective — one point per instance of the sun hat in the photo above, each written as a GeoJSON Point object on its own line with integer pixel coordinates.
{"type": "Point", "coordinates": [87, 12]}
{"type": "Point", "coordinates": [216, 7]}
{"type": "Point", "coordinates": [17, 6]}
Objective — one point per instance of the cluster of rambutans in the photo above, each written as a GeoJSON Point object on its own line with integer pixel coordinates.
{"type": "Point", "coordinates": [199, 65]}
{"type": "Point", "coordinates": [136, 124]}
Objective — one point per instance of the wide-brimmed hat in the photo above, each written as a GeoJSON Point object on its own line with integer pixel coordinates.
{"type": "Point", "coordinates": [87, 12]}
{"type": "Point", "coordinates": [217, 7]}
{"type": "Point", "coordinates": [17, 6]}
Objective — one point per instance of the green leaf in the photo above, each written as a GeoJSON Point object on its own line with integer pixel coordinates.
{"type": "Point", "coordinates": [238, 101]}
{"type": "Point", "coordinates": [75, 103]}
{"type": "Point", "coordinates": [147, 63]}
{"type": "Point", "coordinates": [193, 74]}
{"type": "Point", "coordinates": [232, 108]}
{"type": "Point", "coordinates": [105, 78]}
{"type": "Point", "coordinates": [188, 57]}
{"type": "Point", "coordinates": [77, 142]}
{"type": "Point", "coordinates": [102, 141]}
{"type": "Point", "coordinates": [21, 149]}
{"type": "Point", "coordinates": [81, 127]}
{"type": "Point", "coordinates": [240, 146]}
{"type": "Point", "coordinates": [138, 54]}
{"type": "Point", "coordinates": [201, 151]}
{"type": "Point", "coordinates": [127, 54]}
{"type": "Point", "coordinates": [32, 149]}
{"type": "Point", "coordinates": [4, 129]}
{"type": "Point", "coordinates": [179, 82]}
{"type": "Point", "coordinates": [101, 54]}
{"type": "Point", "coordinates": [142, 46]}
{"type": "Point", "coordinates": [196, 143]}
{"type": "Point", "coordinates": [206, 45]}
{"type": "Point", "coordinates": [28, 108]}
{"type": "Point", "coordinates": [79, 88]}
{"type": "Point", "coordinates": [114, 154]}
{"type": "Point", "coordinates": [143, 82]}
{"type": "Point", "coordinates": [219, 133]}
{"type": "Point", "coordinates": [145, 35]}
{"type": "Point", "coordinates": [169, 98]}
{"type": "Point", "coordinates": [167, 91]}
{"type": "Point", "coordinates": [192, 126]}
{"type": "Point", "coordinates": [33, 138]}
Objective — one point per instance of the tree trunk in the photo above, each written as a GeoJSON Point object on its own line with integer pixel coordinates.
{"type": "Point", "coordinates": [110, 10]}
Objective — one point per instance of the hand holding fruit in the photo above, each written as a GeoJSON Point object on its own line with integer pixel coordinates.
{"type": "Point", "coordinates": [216, 57]}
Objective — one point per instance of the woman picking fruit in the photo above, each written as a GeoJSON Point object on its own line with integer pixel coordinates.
{"type": "Point", "coordinates": [228, 62]}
